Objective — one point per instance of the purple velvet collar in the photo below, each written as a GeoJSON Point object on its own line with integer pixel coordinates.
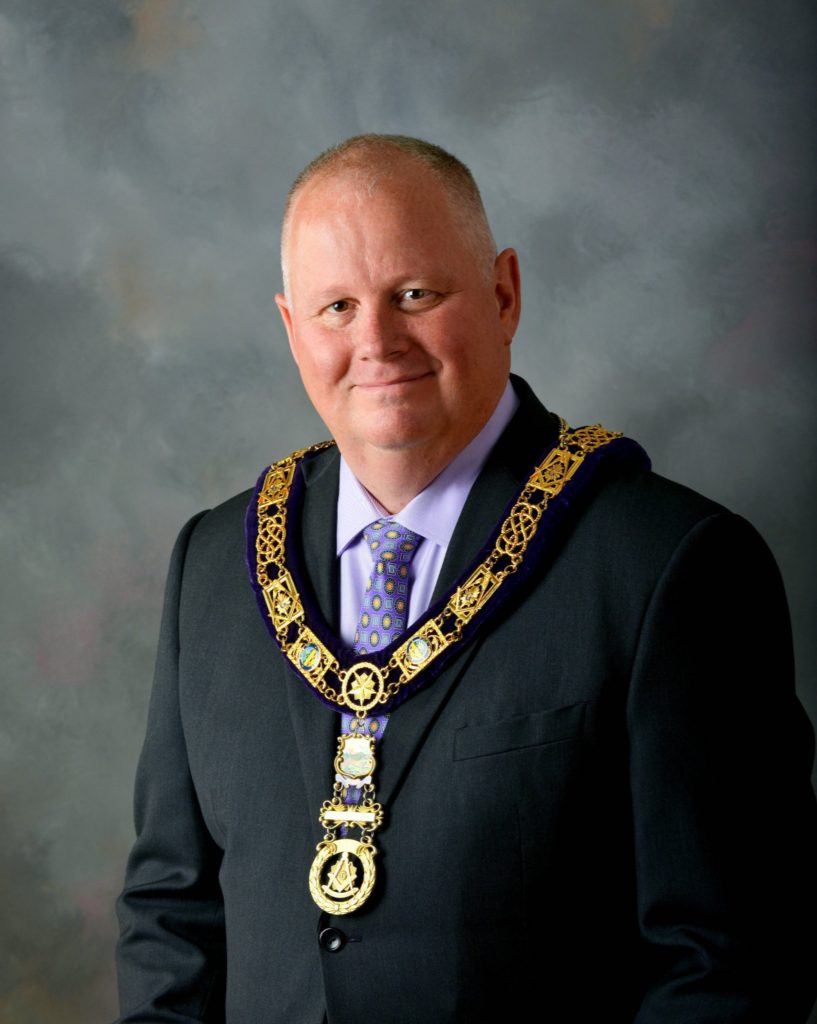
{"type": "Point", "coordinates": [557, 518]}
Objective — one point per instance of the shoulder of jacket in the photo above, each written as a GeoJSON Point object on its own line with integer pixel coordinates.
{"type": "Point", "coordinates": [643, 512]}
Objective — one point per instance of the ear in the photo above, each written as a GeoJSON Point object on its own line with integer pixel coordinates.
{"type": "Point", "coordinates": [282, 303]}
{"type": "Point", "coordinates": [508, 292]}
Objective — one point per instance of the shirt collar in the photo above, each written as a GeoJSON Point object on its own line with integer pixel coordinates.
{"type": "Point", "coordinates": [433, 513]}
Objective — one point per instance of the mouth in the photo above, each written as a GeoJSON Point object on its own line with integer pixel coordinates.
{"type": "Point", "coordinates": [393, 383]}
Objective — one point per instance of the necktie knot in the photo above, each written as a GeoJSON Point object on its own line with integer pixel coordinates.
{"type": "Point", "coordinates": [384, 614]}
{"type": "Point", "coordinates": [390, 541]}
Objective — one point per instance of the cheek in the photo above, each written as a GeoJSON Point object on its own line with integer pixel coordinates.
{"type": "Point", "coordinates": [321, 360]}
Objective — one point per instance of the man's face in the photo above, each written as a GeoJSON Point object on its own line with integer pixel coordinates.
{"type": "Point", "coordinates": [402, 340]}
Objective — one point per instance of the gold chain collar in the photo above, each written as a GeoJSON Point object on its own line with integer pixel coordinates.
{"type": "Point", "coordinates": [362, 686]}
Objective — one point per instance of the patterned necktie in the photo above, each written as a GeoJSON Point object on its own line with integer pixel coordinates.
{"type": "Point", "coordinates": [384, 612]}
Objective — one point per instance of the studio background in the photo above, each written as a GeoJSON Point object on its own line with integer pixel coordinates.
{"type": "Point", "coordinates": [654, 163]}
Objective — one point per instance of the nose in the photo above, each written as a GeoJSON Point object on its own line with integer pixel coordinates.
{"type": "Point", "coordinates": [381, 335]}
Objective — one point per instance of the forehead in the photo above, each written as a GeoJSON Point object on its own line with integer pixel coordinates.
{"type": "Point", "coordinates": [389, 214]}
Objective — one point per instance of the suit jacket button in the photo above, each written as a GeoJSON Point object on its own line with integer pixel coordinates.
{"type": "Point", "coordinates": [332, 940]}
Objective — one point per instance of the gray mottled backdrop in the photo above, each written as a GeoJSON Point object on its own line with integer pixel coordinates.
{"type": "Point", "coordinates": [652, 160]}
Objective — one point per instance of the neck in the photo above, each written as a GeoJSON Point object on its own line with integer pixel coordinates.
{"type": "Point", "coordinates": [394, 477]}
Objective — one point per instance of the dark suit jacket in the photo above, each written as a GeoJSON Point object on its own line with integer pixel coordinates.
{"type": "Point", "coordinates": [601, 806]}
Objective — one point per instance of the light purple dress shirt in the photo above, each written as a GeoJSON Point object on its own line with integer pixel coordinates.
{"type": "Point", "coordinates": [433, 513]}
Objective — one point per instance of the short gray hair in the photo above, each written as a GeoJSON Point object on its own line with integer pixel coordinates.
{"type": "Point", "coordinates": [375, 155]}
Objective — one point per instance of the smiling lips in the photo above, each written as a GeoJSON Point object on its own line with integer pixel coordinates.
{"type": "Point", "coordinates": [408, 379]}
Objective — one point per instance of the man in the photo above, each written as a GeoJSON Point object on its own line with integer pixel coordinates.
{"type": "Point", "coordinates": [591, 796]}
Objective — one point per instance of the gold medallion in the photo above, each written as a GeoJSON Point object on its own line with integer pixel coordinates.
{"type": "Point", "coordinates": [362, 686]}
{"type": "Point", "coordinates": [342, 875]}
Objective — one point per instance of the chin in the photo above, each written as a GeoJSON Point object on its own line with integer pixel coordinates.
{"type": "Point", "coordinates": [394, 441]}
{"type": "Point", "coordinates": [396, 431]}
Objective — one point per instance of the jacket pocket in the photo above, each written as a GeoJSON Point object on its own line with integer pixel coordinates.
{"type": "Point", "coordinates": [535, 730]}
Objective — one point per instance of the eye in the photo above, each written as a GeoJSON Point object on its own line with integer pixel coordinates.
{"type": "Point", "coordinates": [417, 298]}
{"type": "Point", "coordinates": [341, 306]}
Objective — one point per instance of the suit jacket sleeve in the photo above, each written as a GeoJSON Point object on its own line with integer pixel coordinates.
{"type": "Point", "coordinates": [171, 954]}
{"type": "Point", "coordinates": [724, 813]}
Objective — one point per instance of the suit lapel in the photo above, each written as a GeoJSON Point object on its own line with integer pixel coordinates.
{"type": "Point", "coordinates": [529, 433]}
{"type": "Point", "coordinates": [317, 726]}
{"type": "Point", "coordinates": [318, 530]}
